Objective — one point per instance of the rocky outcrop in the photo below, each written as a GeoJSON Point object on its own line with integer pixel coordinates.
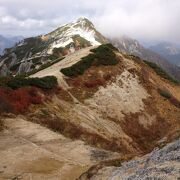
{"type": "Point", "coordinates": [4, 70]}
{"type": "Point", "coordinates": [25, 67]}
{"type": "Point", "coordinates": [160, 164]}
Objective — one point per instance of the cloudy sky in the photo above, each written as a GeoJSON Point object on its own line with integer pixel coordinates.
{"type": "Point", "coordinates": [149, 20]}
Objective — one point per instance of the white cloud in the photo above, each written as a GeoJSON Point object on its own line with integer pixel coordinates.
{"type": "Point", "coordinates": [143, 19]}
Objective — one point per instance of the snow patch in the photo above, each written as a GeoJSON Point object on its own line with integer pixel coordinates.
{"type": "Point", "coordinates": [76, 28]}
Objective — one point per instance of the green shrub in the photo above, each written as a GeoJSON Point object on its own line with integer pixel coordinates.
{"type": "Point", "coordinates": [117, 163]}
{"type": "Point", "coordinates": [104, 47]}
{"type": "Point", "coordinates": [47, 82]}
{"type": "Point", "coordinates": [103, 55]}
{"type": "Point", "coordinates": [165, 93]}
{"type": "Point", "coordinates": [173, 100]}
{"type": "Point", "coordinates": [161, 72]}
{"type": "Point", "coordinates": [4, 80]}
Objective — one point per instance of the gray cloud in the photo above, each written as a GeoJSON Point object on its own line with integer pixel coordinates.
{"type": "Point", "coordinates": [142, 19]}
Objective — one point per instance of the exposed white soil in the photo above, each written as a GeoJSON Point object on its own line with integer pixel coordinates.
{"type": "Point", "coordinates": [124, 96]}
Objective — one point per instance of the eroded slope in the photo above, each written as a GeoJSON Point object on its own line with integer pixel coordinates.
{"type": "Point", "coordinates": [115, 107]}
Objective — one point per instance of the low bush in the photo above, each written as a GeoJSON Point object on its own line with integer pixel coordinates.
{"type": "Point", "coordinates": [93, 83]}
{"type": "Point", "coordinates": [5, 106]}
{"type": "Point", "coordinates": [103, 55]}
{"type": "Point", "coordinates": [165, 93]}
{"type": "Point", "coordinates": [79, 67]}
{"type": "Point", "coordinates": [18, 101]}
{"type": "Point", "coordinates": [47, 82]}
{"type": "Point", "coordinates": [175, 102]}
{"type": "Point", "coordinates": [161, 72]}
{"type": "Point", "coordinates": [4, 80]}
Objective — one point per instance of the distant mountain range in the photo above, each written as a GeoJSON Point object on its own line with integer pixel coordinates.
{"type": "Point", "coordinates": [169, 51]}
{"type": "Point", "coordinates": [7, 42]}
{"type": "Point", "coordinates": [132, 46]}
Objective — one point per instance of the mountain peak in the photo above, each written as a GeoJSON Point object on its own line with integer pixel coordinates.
{"type": "Point", "coordinates": [82, 27]}
{"type": "Point", "coordinates": [82, 18]}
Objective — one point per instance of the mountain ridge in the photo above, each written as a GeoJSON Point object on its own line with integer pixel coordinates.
{"type": "Point", "coordinates": [104, 112]}
{"type": "Point", "coordinates": [32, 53]}
{"type": "Point", "coordinates": [169, 51]}
{"type": "Point", "coordinates": [35, 51]}
{"type": "Point", "coordinates": [132, 46]}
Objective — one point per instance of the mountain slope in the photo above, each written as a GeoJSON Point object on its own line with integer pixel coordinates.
{"type": "Point", "coordinates": [109, 96]}
{"type": "Point", "coordinates": [63, 36]}
{"type": "Point", "coordinates": [160, 164]}
{"type": "Point", "coordinates": [131, 46]}
{"type": "Point", "coordinates": [110, 111]}
{"type": "Point", "coordinates": [168, 51]}
{"type": "Point", "coordinates": [33, 52]}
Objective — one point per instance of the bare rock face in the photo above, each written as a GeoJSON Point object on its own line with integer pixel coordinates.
{"type": "Point", "coordinates": [159, 164]}
{"type": "Point", "coordinates": [4, 70]}
{"type": "Point", "coordinates": [25, 67]}
{"type": "Point", "coordinates": [14, 59]}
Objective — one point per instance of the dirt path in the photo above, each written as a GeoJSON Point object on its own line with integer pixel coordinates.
{"type": "Point", "coordinates": [30, 151]}
{"type": "Point", "coordinates": [68, 61]}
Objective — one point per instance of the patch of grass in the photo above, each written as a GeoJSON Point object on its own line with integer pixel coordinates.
{"type": "Point", "coordinates": [47, 82]}
{"type": "Point", "coordinates": [165, 93]}
{"type": "Point", "coordinates": [175, 102]}
{"type": "Point", "coordinates": [117, 163]}
{"type": "Point", "coordinates": [79, 67]}
{"type": "Point", "coordinates": [18, 100]}
{"type": "Point", "coordinates": [161, 72]}
{"type": "Point", "coordinates": [4, 80]}
{"type": "Point", "coordinates": [103, 55]}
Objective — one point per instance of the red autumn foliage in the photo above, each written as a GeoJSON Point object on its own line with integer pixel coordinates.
{"type": "Point", "coordinates": [107, 77]}
{"type": "Point", "coordinates": [93, 83]}
{"type": "Point", "coordinates": [76, 83]}
{"type": "Point", "coordinates": [18, 101]}
{"type": "Point", "coordinates": [174, 101]}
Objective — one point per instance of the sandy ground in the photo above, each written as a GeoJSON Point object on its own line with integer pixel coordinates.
{"type": "Point", "coordinates": [68, 61]}
{"type": "Point", "coordinates": [30, 151]}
